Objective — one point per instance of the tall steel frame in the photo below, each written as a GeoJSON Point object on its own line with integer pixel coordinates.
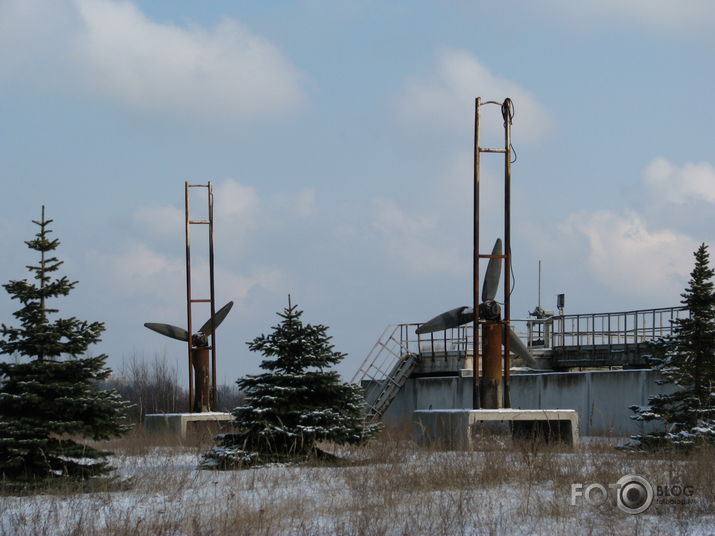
{"type": "Point", "coordinates": [190, 300]}
{"type": "Point", "coordinates": [481, 383]}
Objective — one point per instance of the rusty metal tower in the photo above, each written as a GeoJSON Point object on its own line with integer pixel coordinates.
{"type": "Point", "coordinates": [493, 330]}
{"type": "Point", "coordinates": [190, 300]}
{"type": "Point", "coordinates": [491, 390]}
{"type": "Point", "coordinates": [202, 383]}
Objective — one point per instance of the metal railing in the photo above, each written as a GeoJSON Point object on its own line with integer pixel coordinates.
{"type": "Point", "coordinates": [394, 356]}
{"type": "Point", "coordinates": [614, 329]}
{"type": "Point", "coordinates": [385, 370]}
{"type": "Point", "coordinates": [459, 341]}
{"type": "Point", "coordinates": [399, 339]}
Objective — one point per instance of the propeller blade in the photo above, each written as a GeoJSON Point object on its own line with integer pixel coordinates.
{"type": "Point", "coordinates": [212, 323]}
{"type": "Point", "coordinates": [491, 278]}
{"type": "Point", "coordinates": [519, 348]}
{"type": "Point", "coordinates": [169, 330]}
{"type": "Point", "coordinates": [450, 319]}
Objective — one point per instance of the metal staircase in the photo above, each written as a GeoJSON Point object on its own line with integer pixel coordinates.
{"type": "Point", "coordinates": [386, 369]}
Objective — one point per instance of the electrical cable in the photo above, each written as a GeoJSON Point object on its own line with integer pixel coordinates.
{"type": "Point", "coordinates": [508, 112]}
{"type": "Point", "coordinates": [513, 277]}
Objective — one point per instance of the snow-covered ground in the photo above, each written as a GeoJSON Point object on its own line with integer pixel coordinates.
{"type": "Point", "coordinates": [386, 488]}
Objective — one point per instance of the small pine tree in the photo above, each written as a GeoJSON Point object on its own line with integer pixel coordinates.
{"type": "Point", "coordinates": [295, 403]}
{"type": "Point", "coordinates": [45, 399]}
{"type": "Point", "coordinates": [685, 360]}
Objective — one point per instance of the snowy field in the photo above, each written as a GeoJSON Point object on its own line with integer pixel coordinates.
{"type": "Point", "coordinates": [388, 487]}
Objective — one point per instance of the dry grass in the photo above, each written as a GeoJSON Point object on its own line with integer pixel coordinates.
{"type": "Point", "coordinates": [137, 442]}
{"type": "Point", "coordinates": [387, 487]}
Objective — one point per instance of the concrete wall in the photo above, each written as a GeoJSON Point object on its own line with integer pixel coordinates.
{"type": "Point", "coordinates": [600, 397]}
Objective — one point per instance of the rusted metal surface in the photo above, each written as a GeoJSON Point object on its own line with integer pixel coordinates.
{"type": "Point", "coordinates": [507, 114]}
{"type": "Point", "coordinates": [475, 258]}
{"type": "Point", "coordinates": [212, 292]}
{"type": "Point", "coordinates": [205, 401]}
{"type": "Point", "coordinates": [489, 374]}
{"type": "Point", "coordinates": [491, 387]}
{"type": "Point", "coordinates": [187, 221]}
{"type": "Point", "coordinates": [202, 375]}
{"type": "Point", "coordinates": [202, 379]}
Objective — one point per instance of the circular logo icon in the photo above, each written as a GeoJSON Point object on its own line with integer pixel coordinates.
{"type": "Point", "coordinates": [634, 494]}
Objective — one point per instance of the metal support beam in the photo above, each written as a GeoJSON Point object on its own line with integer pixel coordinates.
{"type": "Point", "coordinates": [202, 392]}
{"type": "Point", "coordinates": [476, 398]}
{"type": "Point", "coordinates": [491, 391]}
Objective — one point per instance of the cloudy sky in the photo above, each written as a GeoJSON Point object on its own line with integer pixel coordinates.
{"type": "Point", "coordinates": [338, 137]}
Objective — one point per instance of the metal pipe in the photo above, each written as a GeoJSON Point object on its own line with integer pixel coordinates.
{"type": "Point", "coordinates": [506, 112]}
{"type": "Point", "coordinates": [188, 294]}
{"type": "Point", "coordinates": [539, 300]}
{"type": "Point", "coordinates": [475, 263]}
{"type": "Point", "coordinates": [212, 396]}
{"type": "Point", "coordinates": [445, 346]}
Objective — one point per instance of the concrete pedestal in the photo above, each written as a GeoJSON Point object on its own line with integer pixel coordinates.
{"type": "Point", "coordinates": [176, 423]}
{"type": "Point", "coordinates": [456, 428]}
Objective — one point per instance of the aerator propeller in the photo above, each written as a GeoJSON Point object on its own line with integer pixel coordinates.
{"type": "Point", "coordinates": [199, 339]}
{"type": "Point", "coordinates": [489, 309]}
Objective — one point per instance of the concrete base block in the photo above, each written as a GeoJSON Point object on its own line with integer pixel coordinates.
{"type": "Point", "coordinates": [176, 423]}
{"type": "Point", "coordinates": [456, 428]}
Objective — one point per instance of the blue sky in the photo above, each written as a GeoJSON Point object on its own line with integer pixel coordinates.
{"type": "Point", "coordinates": [338, 136]}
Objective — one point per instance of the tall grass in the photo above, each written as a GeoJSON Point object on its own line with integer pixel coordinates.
{"type": "Point", "coordinates": [390, 486]}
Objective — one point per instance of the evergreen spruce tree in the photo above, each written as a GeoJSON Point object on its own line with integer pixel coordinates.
{"type": "Point", "coordinates": [686, 360]}
{"type": "Point", "coordinates": [295, 403]}
{"type": "Point", "coordinates": [49, 393]}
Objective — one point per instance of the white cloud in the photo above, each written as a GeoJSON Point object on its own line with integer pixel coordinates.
{"type": "Point", "coordinates": [446, 97]}
{"type": "Point", "coordinates": [625, 255]}
{"type": "Point", "coordinates": [239, 211]}
{"type": "Point", "coordinates": [300, 204]}
{"type": "Point", "coordinates": [160, 220]}
{"type": "Point", "coordinates": [683, 15]}
{"type": "Point", "coordinates": [458, 181]}
{"type": "Point", "coordinates": [143, 269]}
{"type": "Point", "coordinates": [113, 49]}
{"type": "Point", "coordinates": [415, 243]}
{"type": "Point", "coordinates": [226, 71]}
{"type": "Point", "coordinates": [139, 269]}
{"type": "Point", "coordinates": [668, 183]}
{"type": "Point", "coordinates": [237, 204]}
{"type": "Point", "coordinates": [35, 39]}
{"type": "Point", "coordinates": [237, 286]}
{"type": "Point", "coordinates": [644, 253]}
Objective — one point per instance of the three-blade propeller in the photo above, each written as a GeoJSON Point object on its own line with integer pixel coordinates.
{"type": "Point", "coordinates": [181, 334]}
{"type": "Point", "coordinates": [463, 315]}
